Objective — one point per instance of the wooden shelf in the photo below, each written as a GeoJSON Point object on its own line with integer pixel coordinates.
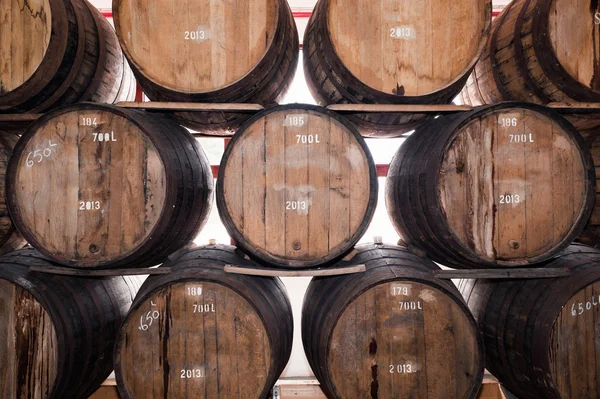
{"type": "Point", "coordinates": [69, 271]}
{"type": "Point", "coordinates": [192, 107]}
{"type": "Point", "coordinates": [506, 273]}
{"type": "Point", "coordinates": [332, 271]}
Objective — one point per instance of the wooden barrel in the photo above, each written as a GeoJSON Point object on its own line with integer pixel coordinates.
{"type": "Point", "coordinates": [395, 331]}
{"type": "Point", "coordinates": [57, 333]}
{"type": "Point", "coordinates": [540, 335]}
{"type": "Point", "coordinates": [98, 186]}
{"type": "Point", "coordinates": [10, 239]}
{"type": "Point", "coordinates": [55, 52]}
{"type": "Point", "coordinates": [392, 52]}
{"type": "Point", "coordinates": [297, 186]}
{"type": "Point", "coordinates": [203, 333]}
{"type": "Point", "coordinates": [591, 233]}
{"type": "Point", "coordinates": [210, 51]}
{"type": "Point", "coordinates": [540, 51]}
{"type": "Point", "coordinates": [504, 185]}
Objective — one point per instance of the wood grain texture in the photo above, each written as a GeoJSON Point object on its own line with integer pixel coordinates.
{"type": "Point", "coordinates": [210, 51]}
{"type": "Point", "coordinates": [28, 354]}
{"type": "Point", "coordinates": [25, 28]}
{"type": "Point", "coordinates": [392, 52]}
{"type": "Point", "coordinates": [205, 333]}
{"type": "Point", "coordinates": [297, 186]}
{"type": "Point", "coordinates": [10, 239]}
{"type": "Point", "coordinates": [515, 185]}
{"type": "Point", "coordinates": [96, 186]}
{"type": "Point", "coordinates": [540, 51]}
{"type": "Point", "coordinates": [540, 334]}
{"type": "Point", "coordinates": [57, 332]}
{"type": "Point", "coordinates": [394, 331]}
{"type": "Point", "coordinates": [56, 53]}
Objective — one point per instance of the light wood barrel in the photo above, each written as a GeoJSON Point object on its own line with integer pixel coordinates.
{"type": "Point", "coordinates": [96, 186]}
{"type": "Point", "coordinates": [393, 52]}
{"type": "Point", "coordinates": [297, 186]}
{"type": "Point", "coordinates": [55, 52]}
{"type": "Point", "coordinates": [500, 186]}
{"type": "Point", "coordinates": [200, 332]}
{"type": "Point", "coordinates": [394, 331]}
{"type": "Point", "coordinates": [210, 51]}
{"type": "Point", "coordinates": [57, 333]}
{"type": "Point", "coordinates": [10, 239]}
{"type": "Point", "coordinates": [541, 335]}
{"type": "Point", "coordinates": [540, 51]}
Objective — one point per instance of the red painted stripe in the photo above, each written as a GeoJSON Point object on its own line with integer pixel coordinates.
{"type": "Point", "coordinates": [107, 14]}
{"type": "Point", "coordinates": [302, 14]}
{"type": "Point", "coordinates": [215, 170]}
{"type": "Point", "coordinates": [382, 170]}
{"type": "Point", "coordinates": [139, 94]}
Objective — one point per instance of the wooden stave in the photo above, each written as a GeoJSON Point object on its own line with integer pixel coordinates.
{"type": "Point", "coordinates": [434, 237]}
{"type": "Point", "coordinates": [267, 295]}
{"type": "Point", "coordinates": [265, 85]}
{"type": "Point", "coordinates": [78, 31]}
{"type": "Point", "coordinates": [330, 82]}
{"type": "Point", "coordinates": [81, 309]}
{"type": "Point", "coordinates": [520, 359]}
{"type": "Point", "coordinates": [591, 233]}
{"type": "Point", "coordinates": [327, 297]}
{"type": "Point", "coordinates": [239, 238]}
{"type": "Point", "coordinates": [189, 184]}
{"type": "Point", "coordinates": [10, 240]}
{"type": "Point", "coordinates": [555, 83]}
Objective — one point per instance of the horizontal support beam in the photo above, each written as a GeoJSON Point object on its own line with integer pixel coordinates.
{"type": "Point", "coordinates": [333, 271]}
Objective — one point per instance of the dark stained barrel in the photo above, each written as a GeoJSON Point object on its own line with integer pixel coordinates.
{"type": "Point", "coordinates": [591, 233]}
{"type": "Point", "coordinates": [540, 51]}
{"type": "Point", "coordinates": [392, 52]}
{"type": "Point", "coordinates": [297, 186]}
{"type": "Point", "coordinates": [55, 52]}
{"type": "Point", "coordinates": [10, 239]}
{"type": "Point", "coordinates": [541, 335]}
{"type": "Point", "coordinates": [500, 186]}
{"type": "Point", "coordinates": [201, 332]}
{"type": "Point", "coordinates": [394, 331]}
{"type": "Point", "coordinates": [211, 52]}
{"type": "Point", "coordinates": [96, 186]}
{"type": "Point", "coordinates": [57, 333]}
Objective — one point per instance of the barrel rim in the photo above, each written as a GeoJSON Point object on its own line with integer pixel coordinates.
{"type": "Point", "coordinates": [392, 98]}
{"type": "Point", "coordinates": [138, 69]}
{"type": "Point", "coordinates": [49, 64]}
{"type": "Point", "coordinates": [138, 302]}
{"type": "Point", "coordinates": [13, 167]}
{"type": "Point", "coordinates": [239, 238]}
{"type": "Point", "coordinates": [553, 68]}
{"type": "Point", "coordinates": [588, 166]}
{"type": "Point", "coordinates": [455, 297]}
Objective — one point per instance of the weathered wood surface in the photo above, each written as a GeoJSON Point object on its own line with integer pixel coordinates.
{"type": "Point", "coordinates": [394, 331]}
{"type": "Point", "coordinates": [57, 333]}
{"type": "Point", "coordinates": [503, 273]}
{"type": "Point", "coordinates": [393, 52]}
{"type": "Point", "coordinates": [55, 53]}
{"type": "Point", "coordinates": [96, 186]}
{"type": "Point", "coordinates": [10, 239]}
{"type": "Point", "coordinates": [69, 271]}
{"type": "Point", "coordinates": [210, 51]}
{"type": "Point", "coordinates": [201, 107]}
{"type": "Point", "coordinates": [203, 333]}
{"type": "Point", "coordinates": [551, 349]}
{"type": "Point", "coordinates": [540, 51]}
{"type": "Point", "coordinates": [591, 233]}
{"type": "Point", "coordinates": [502, 186]}
{"type": "Point", "coordinates": [297, 186]}
{"type": "Point", "coordinates": [330, 271]}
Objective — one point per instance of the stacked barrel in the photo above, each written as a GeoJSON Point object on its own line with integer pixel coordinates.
{"type": "Point", "coordinates": [90, 185]}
